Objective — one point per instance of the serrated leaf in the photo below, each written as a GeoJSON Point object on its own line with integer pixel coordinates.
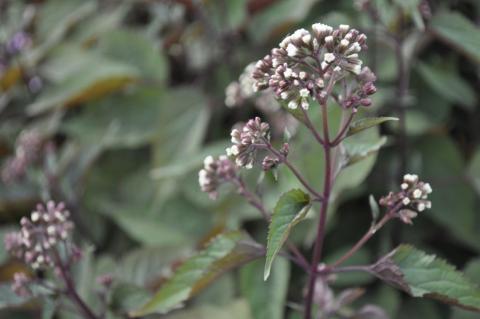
{"type": "Point", "coordinates": [374, 209]}
{"type": "Point", "coordinates": [224, 253]}
{"type": "Point", "coordinates": [456, 30]}
{"type": "Point", "coordinates": [366, 123]}
{"type": "Point", "coordinates": [288, 212]}
{"type": "Point", "coordinates": [423, 275]}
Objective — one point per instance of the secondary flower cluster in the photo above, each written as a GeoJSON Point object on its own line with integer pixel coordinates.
{"type": "Point", "coordinates": [214, 173]}
{"type": "Point", "coordinates": [40, 235]}
{"type": "Point", "coordinates": [246, 141]}
{"type": "Point", "coordinates": [27, 149]}
{"type": "Point", "coordinates": [412, 198]}
{"type": "Point", "coordinates": [304, 61]}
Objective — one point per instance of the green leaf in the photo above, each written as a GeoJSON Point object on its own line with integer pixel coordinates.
{"type": "Point", "coordinates": [235, 310]}
{"type": "Point", "coordinates": [358, 151]}
{"type": "Point", "coordinates": [224, 253]}
{"type": "Point", "coordinates": [375, 210]}
{"type": "Point", "coordinates": [423, 275]}
{"type": "Point", "coordinates": [458, 31]}
{"type": "Point", "coordinates": [266, 298]}
{"type": "Point", "coordinates": [366, 123]}
{"type": "Point", "coordinates": [474, 171]}
{"type": "Point", "coordinates": [133, 48]}
{"type": "Point", "coordinates": [448, 84]}
{"type": "Point", "coordinates": [281, 15]}
{"type": "Point", "coordinates": [288, 212]}
{"type": "Point", "coordinates": [91, 77]}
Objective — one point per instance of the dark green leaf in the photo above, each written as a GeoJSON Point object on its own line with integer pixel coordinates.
{"type": "Point", "coordinates": [458, 31]}
{"type": "Point", "coordinates": [289, 211]}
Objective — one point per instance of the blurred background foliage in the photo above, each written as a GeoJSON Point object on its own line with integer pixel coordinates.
{"type": "Point", "coordinates": [116, 103]}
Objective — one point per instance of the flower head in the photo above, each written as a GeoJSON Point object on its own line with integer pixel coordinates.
{"type": "Point", "coordinates": [214, 173]}
{"type": "Point", "coordinates": [304, 60]}
{"type": "Point", "coordinates": [410, 200]}
{"type": "Point", "coordinates": [245, 141]}
{"type": "Point", "coordinates": [40, 235]}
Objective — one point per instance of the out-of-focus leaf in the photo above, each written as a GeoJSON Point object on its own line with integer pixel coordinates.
{"type": "Point", "coordinates": [236, 310]}
{"type": "Point", "coordinates": [456, 30]}
{"type": "Point", "coordinates": [358, 151]}
{"type": "Point", "coordinates": [374, 209]}
{"type": "Point", "coordinates": [122, 120]}
{"type": "Point", "coordinates": [133, 48]}
{"type": "Point", "coordinates": [362, 257]}
{"type": "Point", "coordinates": [92, 79]}
{"type": "Point", "coordinates": [366, 123]}
{"type": "Point", "coordinates": [423, 275]}
{"type": "Point", "coordinates": [222, 254]}
{"type": "Point", "coordinates": [8, 298]}
{"type": "Point", "coordinates": [278, 18]}
{"type": "Point", "coordinates": [289, 211]}
{"type": "Point", "coordinates": [266, 298]}
{"type": "Point", "coordinates": [10, 77]}
{"type": "Point", "coordinates": [448, 84]}
{"type": "Point", "coordinates": [474, 171]}
{"type": "Point", "coordinates": [127, 296]}
{"type": "Point", "coordinates": [442, 166]}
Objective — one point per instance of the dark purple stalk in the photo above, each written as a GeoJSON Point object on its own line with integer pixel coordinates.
{"type": "Point", "coordinates": [71, 290]}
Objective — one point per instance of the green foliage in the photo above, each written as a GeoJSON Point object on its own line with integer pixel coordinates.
{"type": "Point", "coordinates": [366, 123]}
{"type": "Point", "coordinates": [289, 211]}
{"type": "Point", "coordinates": [423, 275]}
{"type": "Point", "coordinates": [223, 253]}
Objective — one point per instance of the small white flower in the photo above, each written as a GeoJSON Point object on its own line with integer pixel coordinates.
{"type": "Point", "coordinates": [329, 57]}
{"type": "Point", "coordinates": [35, 216]}
{"type": "Point", "coordinates": [51, 230]}
{"type": "Point", "coordinates": [307, 38]}
{"type": "Point", "coordinates": [288, 73]}
{"type": "Point", "coordinates": [329, 39]}
{"type": "Point", "coordinates": [275, 62]}
{"type": "Point", "coordinates": [292, 104]}
{"type": "Point", "coordinates": [305, 104]}
{"type": "Point", "coordinates": [406, 201]}
{"type": "Point", "coordinates": [410, 178]}
{"type": "Point", "coordinates": [428, 204]}
{"type": "Point", "coordinates": [292, 50]}
{"type": "Point", "coordinates": [249, 166]}
{"type": "Point", "coordinates": [324, 65]}
{"type": "Point", "coordinates": [284, 95]}
{"type": "Point", "coordinates": [322, 28]}
{"type": "Point", "coordinates": [302, 75]}
{"type": "Point", "coordinates": [357, 69]}
{"type": "Point", "coordinates": [344, 43]}
{"type": "Point", "coordinates": [421, 207]}
{"type": "Point", "coordinates": [208, 160]}
{"type": "Point", "coordinates": [427, 188]}
{"type": "Point", "coordinates": [417, 193]}
{"type": "Point", "coordinates": [285, 42]}
{"type": "Point", "coordinates": [404, 186]}
{"type": "Point", "coordinates": [304, 92]}
{"type": "Point", "coordinates": [40, 259]}
{"type": "Point", "coordinates": [344, 27]}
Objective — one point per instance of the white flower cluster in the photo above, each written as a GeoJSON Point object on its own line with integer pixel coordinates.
{"type": "Point", "coordinates": [37, 241]}
{"type": "Point", "coordinates": [214, 173]}
{"type": "Point", "coordinates": [298, 69]}
{"type": "Point", "coordinates": [412, 198]}
{"type": "Point", "coordinates": [245, 142]}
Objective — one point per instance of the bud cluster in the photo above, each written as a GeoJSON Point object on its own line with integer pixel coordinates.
{"type": "Point", "coordinates": [27, 149]}
{"type": "Point", "coordinates": [271, 161]}
{"type": "Point", "coordinates": [360, 94]}
{"type": "Point", "coordinates": [247, 140]}
{"type": "Point", "coordinates": [299, 68]}
{"type": "Point", "coordinates": [412, 198]}
{"type": "Point", "coordinates": [214, 173]}
{"type": "Point", "coordinates": [40, 235]}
